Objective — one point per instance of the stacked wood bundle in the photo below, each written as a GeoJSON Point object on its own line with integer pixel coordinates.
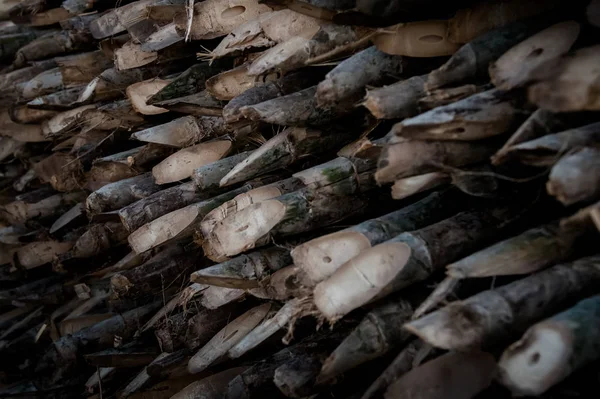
{"type": "Point", "coordinates": [267, 198]}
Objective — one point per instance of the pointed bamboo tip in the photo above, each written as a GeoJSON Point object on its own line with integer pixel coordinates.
{"type": "Point", "coordinates": [224, 275]}
{"type": "Point", "coordinates": [447, 328]}
{"type": "Point", "coordinates": [322, 256]}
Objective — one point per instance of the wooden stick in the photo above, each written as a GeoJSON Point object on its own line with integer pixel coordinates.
{"type": "Point", "coordinates": [346, 82]}
{"type": "Point", "coordinates": [448, 95]}
{"type": "Point", "coordinates": [20, 211]}
{"type": "Point", "coordinates": [472, 59]}
{"type": "Point", "coordinates": [477, 117]}
{"type": "Point", "coordinates": [379, 332]}
{"type": "Point", "coordinates": [226, 338]}
{"type": "Point", "coordinates": [97, 239]}
{"type": "Point", "coordinates": [408, 158]}
{"type": "Point", "coordinates": [402, 364]}
{"type": "Point", "coordinates": [257, 381]}
{"type": "Point", "coordinates": [215, 297]}
{"type": "Point", "coordinates": [539, 123]}
{"type": "Point", "coordinates": [398, 100]}
{"type": "Point", "coordinates": [191, 81]}
{"type": "Point", "coordinates": [288, 84]}
{"type": "Point", "coordinates": [552, 349]}
{"type": "Point", "coordinates": [138, 93]}
{"type": "Point", "coordinates": [207, 177]}
{"type": "Point", "coordinates": [406, 259]}
{"type": "Point", "coordinates": [199, 104]}
{"type": "Point", "coordinates": [573, 179]}
{"type": "Point", "coordinates": [164, 37]}
{"type": "Point", "coordinates": [298, 51]}
{"type": "Point", "coordinates": [52, 45]}
{"type": "Point", "coordinates": [472, 373]}
{"type": "Point", "coordinates": [526, 253]}
{"type": "Point", "coordinates": [575, 72]}
{"type": "Point", "coordinates": [178, 224]}
{"type": "Point", "coordinates": [321, 257]}
{"type": "Point", "coordinates": [244, 271]}
{"type": "Point", "coordinates": [220, 17]}
{"type": "Point", "coordinates": [299, 211]}
{"type": "Point", "coordinates": [170, 266]}
{"type": "Point", "coordinates": [490, 316]}
{"type": "Point", "coordinates": [184, 132]}
{"type": "Point", "coordinates": [121, 193]}
{"type": "Point", "coordinates": [266, 329]}
{"type": "Point", "coordinates": [266, 31]}
{"type": "Point", "coordinates": [181, 165]}
{"type": "Point", "coordinates": [284, 149]}
{"type": "Point", "coordinates": [39, 253]}
{"type": "Point", "coordinates": [409, 186]}
{"type": "Point", "coordinates": [416, 39]}
{"type": "Point", "coordinates": [546, 150]}
{"type": "Point", "coordinates": [514, 68]}
{"type": "Point", "coordinates": [299, 108]}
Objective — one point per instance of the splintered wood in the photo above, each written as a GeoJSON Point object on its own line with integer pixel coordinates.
{"type": "Point", "coordinates": [251, 199]}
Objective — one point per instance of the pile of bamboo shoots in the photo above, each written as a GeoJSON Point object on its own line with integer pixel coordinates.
{"type": "Point", "coordinates": [299, 198]}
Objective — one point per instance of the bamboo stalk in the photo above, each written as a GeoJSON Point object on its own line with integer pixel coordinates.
{"type": "Point", "coordinates": [477, 117]}
{"type": "Point", "coordinates": [299, 211]}
{"type": "Point", "coordinates": [552, 349]}
{"type": "Point", "coordinates": [573, 179]}
{"type": "Point", "coordinates": [402, 364]}
{"type": "Point", "coordinates": [514, 68]}
{"type": "Point", "coordinates": [546, 150]}
{"type": "Point", "coordinates": [267, 328]}
{"type": "Point", "coordinates": [182, 164]}
{"type": "Point", "coordinates": [226, 338]}
{"type": "Point", "coordinates": [407, 158]}
{"type": "Point", "coordinates": [398, 100]}
{"type": "Point", "coordinates": [97, 239]}
{"type": "Point", "coordinates": [321, 257]}
{"type": "Point", "coordinates": [409, 186]}
{"type": "Point", "coordinates": [220, 17]}
{"type": "Point", "coordinates": [178, 224]}
{"type": "Point", "coordinates": [472, 59]}
{"type": "Point", "coordinates": [408, 258]}
{"type": "Point", "coordinates": [39, 253]}
{"type": "Point", "coordinates": [566, 84]}
{"type": "Point", "coordinates": [244, 271]}
{"type": "Point", "coordinates": [184, 132]}
{"type": "Point", "coordinates": [288, 84]}
{"type": "Point", "coordinates": [284, 149]}
{"type": "Point", "coordinates": [378, 332]}
{"type": "Point", "coordinates": [490, 316]}
{"type": "Point", "coordinates": [472, 373]}
{"type": "Point", "coordinates": [121, 193]}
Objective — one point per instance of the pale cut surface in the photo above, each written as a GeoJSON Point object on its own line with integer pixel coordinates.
{"type": "Point", "coordinates": [408, 186]}
{"type": "Point", "coordinates": [162, 229]}
{"type": "Point", "coordinates": [230, 335]}
{"type": "Point", "coordinates": [535, 363]}
{"type": "Point", "coordinates": [139, 93]}
{"type": "Point", "coordinates": [181, 165]}
{"type": "Point", "coordinates": [416, 39]}
{"type": "Point", "coordinates": [179, 132]}
{"type": "Point", "coordinates": [214, 297]}
{"type": "Point", "coordinates": [265, 329]}
{"type": "Point", "coordinates": [238, 203]}
{"type": "Point", "coordinates": [240, 231]}
{"type": "Point", "coordinates": [360, 279]}
{"type": "Point", "coordinates": [131, 56]}
{"type": "Point", "coordinates": [321, 257]}
{"type": "Point", "coordinates": [514, 68]}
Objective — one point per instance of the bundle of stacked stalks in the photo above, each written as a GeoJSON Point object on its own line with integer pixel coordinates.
{"type": "Point", "coordinates": [285, 198]}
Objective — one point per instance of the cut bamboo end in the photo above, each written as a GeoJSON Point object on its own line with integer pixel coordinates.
{"type": "Point", "coordinates": [321, 257]}
{"type": "Point", "coordinates": [181, 165]}
{"type": "Point", "coordinates": [409, 186]}
{"type": "Point", "coordinates": [360, 279]}
{"type": "Point", "coordinates": [439, 328]}
{"type": "Point", "coordinates": [162, 229]}
{"type": "Point", "coordinates": [416, 39]}
{"type": "Point", "coordinates": [538, 361]}
{"type": "Point", "coordinates": [240, 231]}
{"type": "Point", "coordinates": [515, 67]}
{"type": "Point", "coordinates": [227, 338]}
{"type": "Point", "coordinates": [139, 93]}
{"type": "Point", "coordinates": [266, 329]}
